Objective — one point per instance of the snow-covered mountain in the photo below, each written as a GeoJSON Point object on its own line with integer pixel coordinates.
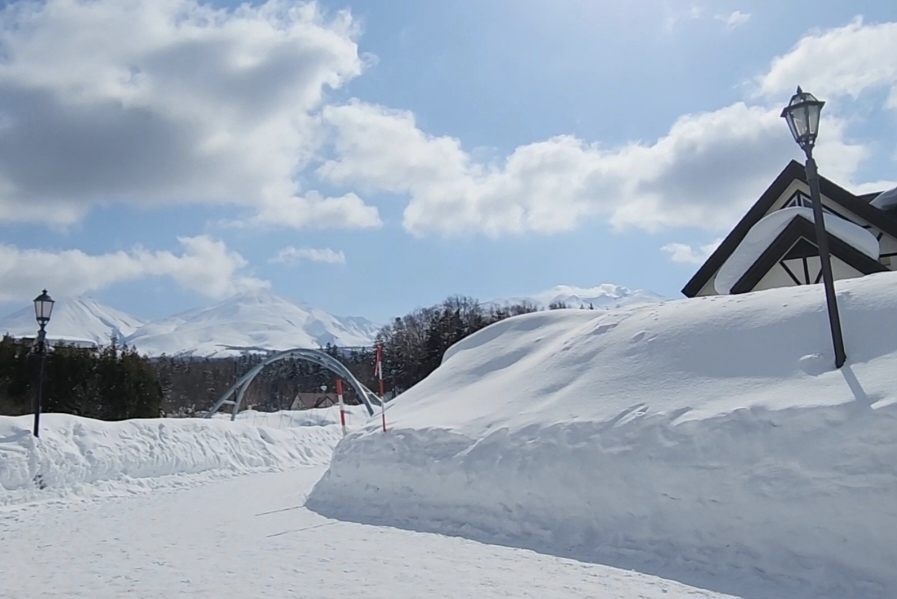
{"type": "Point", "coordinates": [601, 297]}
{"type": "Point", "coordinates": [74, 319]}
{"type": "Point", "coordinates": [257, 319]}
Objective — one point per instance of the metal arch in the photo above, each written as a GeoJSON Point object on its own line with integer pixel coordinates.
{"type": "Point", "coordinates": [238, 389]}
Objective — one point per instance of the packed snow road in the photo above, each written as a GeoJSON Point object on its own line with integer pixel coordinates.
{"type": "Point", "coordinates": [251, 537]}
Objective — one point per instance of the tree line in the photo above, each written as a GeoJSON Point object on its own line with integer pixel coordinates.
{"type": "Point", "coordinates": [112, 383]}
{"type": "Point", "coordinates": [115, 383]}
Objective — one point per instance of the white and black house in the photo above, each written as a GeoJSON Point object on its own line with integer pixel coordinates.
{"type": "Point", "coordinates": [774, 244]}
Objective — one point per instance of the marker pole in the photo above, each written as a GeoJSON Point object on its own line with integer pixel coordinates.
{"type": "Point", "coordinates": [379, 371]}
{"type": "Point", "coordinates": [342, 406]}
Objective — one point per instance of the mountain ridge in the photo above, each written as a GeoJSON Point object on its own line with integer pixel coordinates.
{"type": "Point", "coordinates": [260, 320]}
{"type": "Point", "coordinates": [600, 297]}
{"type": "Point", "coordinates": [75, 319]}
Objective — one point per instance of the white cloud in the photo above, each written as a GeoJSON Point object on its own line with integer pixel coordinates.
{"type": "Point", "coordinates": [686, 254]}
{"type": "Point", "coordinates": [843, 61]}
{"type": "Point", "coordinates": [292, 255]}
{"type": "Point", "coordinates": [205, 266]}
{"type": "Point", "coordinates": [347, 212]}
{"type": "Point", "coordinates": [164, 102]}
{"type": "Point", "coordinates": [704, 172]}
{"type": "Point", "coordinates": [735, 19]}
{"type": "Point", "coordinates": [678, 14]}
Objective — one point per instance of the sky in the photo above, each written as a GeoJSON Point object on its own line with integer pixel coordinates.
{"type": "Point", "coordinates": [370, 157]}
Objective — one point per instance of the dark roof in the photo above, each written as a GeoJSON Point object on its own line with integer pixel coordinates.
{"type": "Point", "coordinates": [800, 229]}
{"type": "Point", "coordinates": [793, 171]}
{"type": "Point", "coordinates": [868, 197]}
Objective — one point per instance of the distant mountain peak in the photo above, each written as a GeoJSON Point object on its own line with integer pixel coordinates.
{"type": "Point", "coordinates": [257, 319]}
{"type": "Point", "coordinates": [75, 318]}
{"type": "Point", "coordinates": [602, 296]}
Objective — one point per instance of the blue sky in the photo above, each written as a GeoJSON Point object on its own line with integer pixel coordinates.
{"type": "Point", "coordinates": [371, 157]}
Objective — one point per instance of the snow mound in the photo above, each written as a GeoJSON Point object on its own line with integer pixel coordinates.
{"type": "Point", "coordinates": [80, 456]}
{"type": "Point", "coordinates": [708, 440]}
{"type": "Point", "coordinates": [355, 417]}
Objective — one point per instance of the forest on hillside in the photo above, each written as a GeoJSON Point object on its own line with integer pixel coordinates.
{"type": "Point", "coordinates": [115, 383]}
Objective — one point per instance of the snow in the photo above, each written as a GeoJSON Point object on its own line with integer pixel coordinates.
{"type": "Point", "coordinates": [355, 416]}
{"type": "Point", "coordinates": [708, 440]}
{"type": "Point", "coordinates": [74, 319]}
{"type": "Point", "coordinates": [601, 297]}
{"type": "Point", "coordinates": [257, 319]}
{"type": "Point", "coordinates": [79, 456]}
{"type": "Point", "coordinates": [153, 508]}
{"type": "Point", "coordinates": [886, 200]}
{"type": "Point", "coordinates": [769, 227]}
{"type": "Point", "coordinates": [250, 537]}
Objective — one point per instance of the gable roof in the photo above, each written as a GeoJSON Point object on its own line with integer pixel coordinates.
{"type": "Point", "coordinates": [793, 171]}
{"type": "Point", "coordinates": [797, 230]}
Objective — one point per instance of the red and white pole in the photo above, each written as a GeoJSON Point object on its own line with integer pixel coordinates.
{"type": "Point", "coordinates": [342, 406]}
{"type": "Point", "coordinates": [378, 370]}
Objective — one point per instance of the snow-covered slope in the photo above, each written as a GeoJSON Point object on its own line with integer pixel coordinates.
{"type": "Point", "coordinates": [258, 319]}
{"type": "Point", "coordinates": [708, 439]}
{"type": "Point", "coordinates": [601, 297]}
{"type": "Point", "coordinates": [74, 319]}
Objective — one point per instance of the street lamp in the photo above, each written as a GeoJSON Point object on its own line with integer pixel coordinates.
{"type": "Point", "coordinates": [43, 307]}
{"type": "Point", "coordinates": [802, 116]}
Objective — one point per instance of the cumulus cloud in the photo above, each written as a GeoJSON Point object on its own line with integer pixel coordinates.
{"type": "Point", "coordinates": [347, 212]}
{"type": "Point", "coordinates": [293, 255]}
{"type": "Point", "coordinates": [205, 265]}
{"type": "Point", "coordinates": [705, 171]}
{"type": "Point", "coordinates": [163, 102]}
{"type": "Point", "coordinates": [843, 61]}
{"type": "Point", "coordinates": [685, 254]}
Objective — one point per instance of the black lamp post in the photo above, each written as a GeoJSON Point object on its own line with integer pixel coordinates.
{"type": "Point", "coordinates": [802, 115]}
{"type": "Point", "coordinates": [43, 307]}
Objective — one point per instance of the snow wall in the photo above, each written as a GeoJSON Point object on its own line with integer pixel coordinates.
{"type": "Point", "coordinates": [707, 440]}
{"type": "Point", "coordinates": [84, 457]}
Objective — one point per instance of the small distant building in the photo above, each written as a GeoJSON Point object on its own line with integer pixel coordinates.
{"type": "Point", "coordinates": [774, 244]}
{"type": "Point", "coordinates": [307, 401]}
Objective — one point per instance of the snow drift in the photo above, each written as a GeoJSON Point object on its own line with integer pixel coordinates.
{"type": "Point", "coordinates": [355, 416]}
{"type": "Point", "coordinates": [709, 440]}
{"type": "Point", "coordinates": [81, 456]}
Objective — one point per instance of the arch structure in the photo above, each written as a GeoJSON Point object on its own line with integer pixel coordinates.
{"type": "Point", "coordinates": [234, 395]}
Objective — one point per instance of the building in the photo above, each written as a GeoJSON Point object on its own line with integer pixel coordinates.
{"type": "Point", "coordinates": [774, 244]}
{"type": "Point", "coordinates": [308, 401]}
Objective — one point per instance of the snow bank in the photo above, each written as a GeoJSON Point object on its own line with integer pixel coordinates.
{"type": "Point", "coordinates": [87, 457]}
{"type": "Point", "coordinates": [707, 440]}
{"type": "Point", "coordinates": [355, 417]}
